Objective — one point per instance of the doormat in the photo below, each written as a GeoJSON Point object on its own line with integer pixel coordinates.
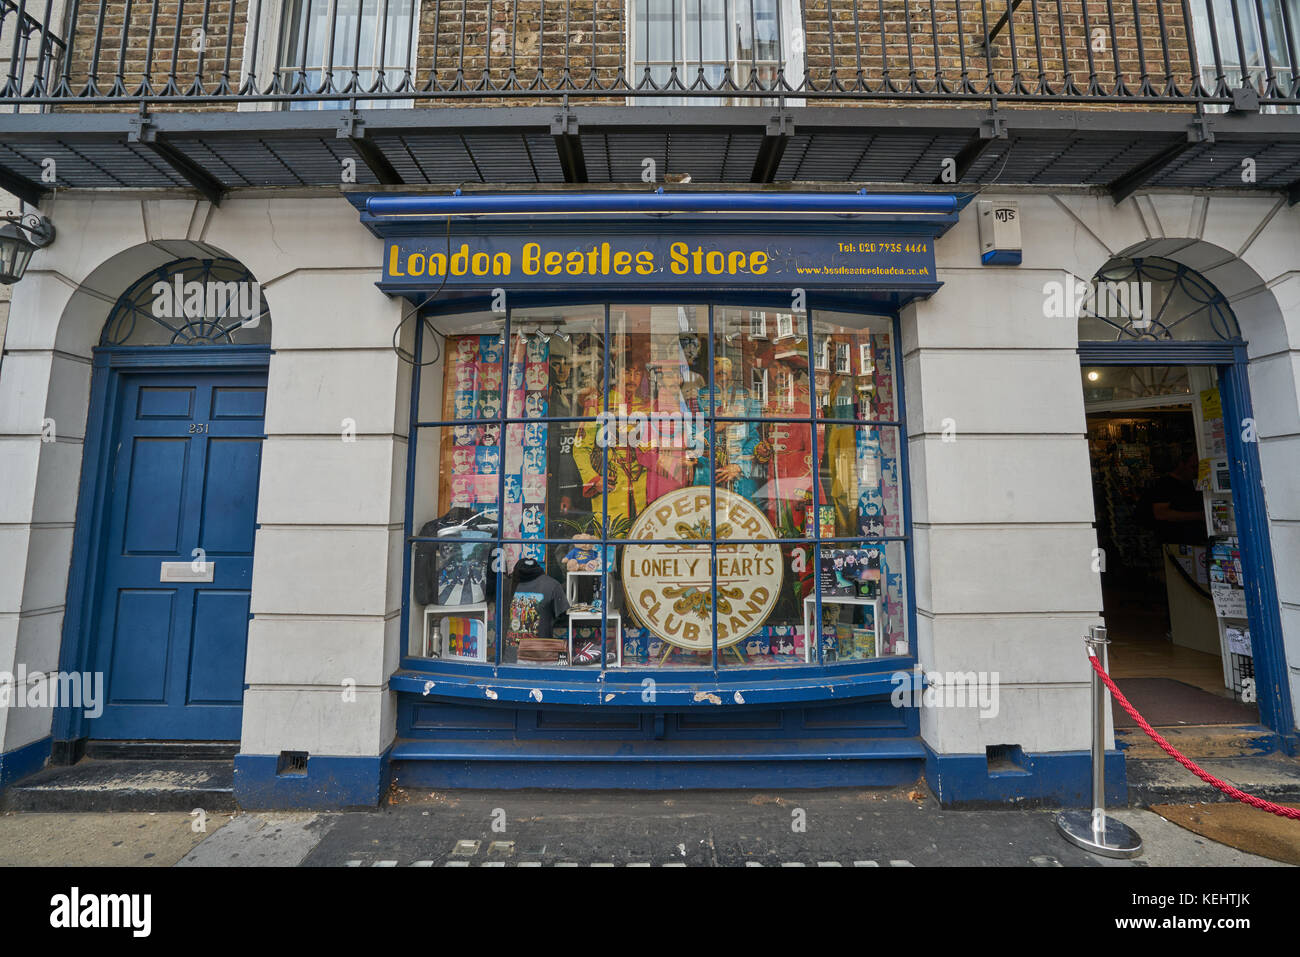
{"type": "Point", "coordinates": [1239, 825]}
{"type": "Point", "coordinates": [1167, 703]}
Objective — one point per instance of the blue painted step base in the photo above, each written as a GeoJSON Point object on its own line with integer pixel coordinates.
{"type": "Point", "coordinates": [263, 782]}
{"type": "Point", "coordinates": [657, 765]}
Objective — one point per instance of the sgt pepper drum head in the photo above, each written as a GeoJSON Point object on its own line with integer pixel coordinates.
{"type": "Point", "coordinates": [669, 584]}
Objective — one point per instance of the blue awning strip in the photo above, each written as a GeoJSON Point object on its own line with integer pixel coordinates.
{"type": "Point", "coordinates": [664, 203]}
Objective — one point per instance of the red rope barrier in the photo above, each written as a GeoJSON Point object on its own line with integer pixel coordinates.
{"type": "Point", "coordinates": [1170, 750]}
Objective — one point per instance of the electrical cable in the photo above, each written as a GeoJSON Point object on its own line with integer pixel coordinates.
{"type": "Point", "coordinates": [407, 357]}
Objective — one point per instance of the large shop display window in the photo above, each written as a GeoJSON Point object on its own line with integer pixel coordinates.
{"type": "Point", "coordinates": [658, 486]}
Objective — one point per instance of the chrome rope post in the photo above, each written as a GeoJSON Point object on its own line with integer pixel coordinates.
{"type": "Point", "coordinates": [1094, 831]}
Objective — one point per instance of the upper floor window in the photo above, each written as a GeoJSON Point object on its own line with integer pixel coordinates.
{"type": "Point", "coordinates": [745, 43]}
{"type": "Point", "coordinates": [1232, 39]}
{"type": "Point", "coordinates": [362, 41]}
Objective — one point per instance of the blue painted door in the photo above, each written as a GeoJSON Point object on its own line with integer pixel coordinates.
{"type": "Point", "coordinates": [180, 507]}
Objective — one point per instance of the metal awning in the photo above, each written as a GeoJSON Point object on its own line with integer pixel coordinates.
{"type": "Point", "coordinates": [1117, 149]}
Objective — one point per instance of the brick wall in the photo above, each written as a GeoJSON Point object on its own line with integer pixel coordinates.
{"type": "Point", "coordinates": [465, 43]}
{"type": "Point", "coordinates": [199, 41]}
{"type": "Point", "coordinates": [833, 35]}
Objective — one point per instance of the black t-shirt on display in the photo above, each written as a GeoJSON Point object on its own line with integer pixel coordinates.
{"type": "Point", "coordinates": [536, 601]}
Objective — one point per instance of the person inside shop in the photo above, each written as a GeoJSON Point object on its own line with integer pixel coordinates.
{"type": "Point", "coordinates": [1176, 506]}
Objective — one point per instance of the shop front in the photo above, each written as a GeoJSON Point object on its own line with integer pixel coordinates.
{"type": "Point", "coordinates": [636, 490]}
{"type": "Point", "coordinates": [657, 524]}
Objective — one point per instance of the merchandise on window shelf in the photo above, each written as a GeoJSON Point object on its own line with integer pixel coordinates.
{"type": "Point", "coordinates": [1221, 520]}
{"type": "Point", "coordinates": [1227, 587]}
{"type": "Point", "coordinates": [832, 577]}
{"type": "Point", "coordinates": [827, 523]}
{"type": "Point", "coordinates": [463, 636]}
{"type": "Point", "coordinates": [535, 602]}
{"type": "Point", "coordinates": [452, 569]}
{"type": "Point", "coordinates": [586, 558]}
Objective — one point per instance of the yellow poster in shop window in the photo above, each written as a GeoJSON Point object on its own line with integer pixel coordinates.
{"type": "Point", "coordinates": [1211, 405]}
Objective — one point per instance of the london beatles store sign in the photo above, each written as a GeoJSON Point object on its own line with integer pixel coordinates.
{"type": "Point", "coordinates": [855, 257]}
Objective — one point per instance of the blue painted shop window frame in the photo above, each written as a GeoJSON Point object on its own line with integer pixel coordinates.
{"type": "Point", "coordinates": [515, 683]}
{"type": "Point", "coordinates": [1229, 359]}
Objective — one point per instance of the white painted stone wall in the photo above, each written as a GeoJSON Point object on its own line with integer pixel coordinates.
{"type": "Point", "coordinates": [1003, 515]}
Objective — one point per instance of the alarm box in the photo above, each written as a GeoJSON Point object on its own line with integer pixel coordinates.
{"type": "Point", "coordinates": [999, 224]}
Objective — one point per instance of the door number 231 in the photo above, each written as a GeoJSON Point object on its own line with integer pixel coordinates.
{"type": "Point", "coordinates": [198, 427]}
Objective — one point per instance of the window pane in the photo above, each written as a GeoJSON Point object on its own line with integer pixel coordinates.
{"type": "Point", "coordinates": [864, 607]}
{"type": "Point", "coordinates": [472, 387]}
{"type": "Point", "coordinates": [360, 41]}
{"type": "Point", "coordinates": [854, 361]}
{"type": "Point", "coordinates": [557, 354]}
{"type": "Point", "coordinates": [654, 38]}
{"type": "Point", "coordinates": [861, 489]}
{"type": "Point", "coordinates": [706, 24]}
{"type": "Point", "coordinates": [740, 37]}
{"type": "Point", "coordinates": [452, 354]}
{"type": "Point", "coordinates": [453, 586]}
{"type": "Point", "coordinates": [772, 465]}
{"type": "Point", "coordinates": [658, 363]}
{"type": "Point", "coordinates": [764, 355]}
{"type": "Point", "coordinates": [1113, 385]}
{"type": "Point", "coordinates": [760, 620]}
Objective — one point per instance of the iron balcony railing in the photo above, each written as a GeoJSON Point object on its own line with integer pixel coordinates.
{"type": "Point", "coordinates": [325, 53]}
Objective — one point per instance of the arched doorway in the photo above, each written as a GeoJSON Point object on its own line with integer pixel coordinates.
{"type": "Point", "coordinates": [1183, 551]}
{"type": "Point", "coordinates": [163, 551]}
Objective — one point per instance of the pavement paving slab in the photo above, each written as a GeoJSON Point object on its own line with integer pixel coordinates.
{"type": "Point", "coordinates": [101, 839]}
{"type": "Point", "coordinates": [268, 839]}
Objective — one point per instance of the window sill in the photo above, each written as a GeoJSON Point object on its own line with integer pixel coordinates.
{"type": "Point", "coordinates": [669, 690]}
